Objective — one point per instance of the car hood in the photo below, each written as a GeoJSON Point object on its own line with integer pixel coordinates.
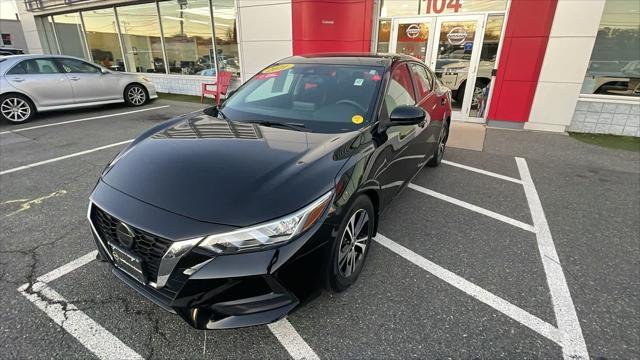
{"type": "Point", "coordinates": [230, 173]}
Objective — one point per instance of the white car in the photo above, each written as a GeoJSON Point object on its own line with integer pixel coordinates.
{"type": "Point", "coordinates": [34, 83]}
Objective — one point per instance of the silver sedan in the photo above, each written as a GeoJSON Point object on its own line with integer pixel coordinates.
{"type": "Point", "coordinates": [33, 83]}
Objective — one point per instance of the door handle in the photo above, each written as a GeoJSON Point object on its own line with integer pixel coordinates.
{"type": "Point", "coordinates": [74, 78]}
{"type": "Point", "coordinates": [17, 80]}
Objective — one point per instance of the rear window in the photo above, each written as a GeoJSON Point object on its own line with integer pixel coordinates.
{"type": "Point", "coordinates": [325, 98]}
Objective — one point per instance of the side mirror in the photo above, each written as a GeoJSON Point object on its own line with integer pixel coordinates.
{"type": "Point", "coordinates": [104, 71]}
{"type": "Point", "coordinates": [407, 115]}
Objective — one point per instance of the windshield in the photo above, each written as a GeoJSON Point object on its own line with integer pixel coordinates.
{"type": "Point", "coordinates": [322, 98]}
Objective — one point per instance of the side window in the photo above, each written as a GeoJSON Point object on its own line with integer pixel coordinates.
{"type": "Point", "coordinates": [34, 66]}
{"type": "Point", "coordinates": [400, 90]}
{"type": "Point", "coordinates": [77, 66]}
{"type": "Point", "coordinates": [422, 80]}
{"type": "Point", "coordinates": [18, 69]}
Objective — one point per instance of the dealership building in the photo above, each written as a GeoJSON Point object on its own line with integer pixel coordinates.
{"type": "Point", "coordinates": [552, 65]}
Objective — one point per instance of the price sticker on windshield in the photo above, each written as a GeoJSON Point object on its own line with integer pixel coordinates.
{"type": "Point", "coordinates": [357, 119]}
{"type": "Point", "coordinates": [277, 68]}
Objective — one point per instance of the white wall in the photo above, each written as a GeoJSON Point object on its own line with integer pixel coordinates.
{"type": "Point", "coordinates": [29, 29]}
{"type": "Point", "coordinates": [13, 27]}
{"type": "Point", "coordinates": [265, 33]}
{"type": "Point", "coordinates": [571, 40]}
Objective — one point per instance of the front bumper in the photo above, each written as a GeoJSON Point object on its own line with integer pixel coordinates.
{"type": "Point", "coordinates": [212, 291]}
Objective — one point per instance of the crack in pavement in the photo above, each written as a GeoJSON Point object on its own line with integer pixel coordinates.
{"type": "Point", "coordinates": [32, 253]}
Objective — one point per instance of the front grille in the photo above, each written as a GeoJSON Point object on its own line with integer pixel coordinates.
{"type": "Point", "coordinates": [150, 248]}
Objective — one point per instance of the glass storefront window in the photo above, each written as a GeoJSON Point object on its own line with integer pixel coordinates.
{"type": "Point", "coordinates": [175, 36]}
{"type": "Point", "coordinates": [441, 7]}
{"type": "Point", "coordinates": [398, 7]}
{"type": "Point", "coordinates": [102, 37]}
{"type": "Point", "coordinates": [384, 34]}
{"type": "Point", "coordinates": [412, 39]}
{"type": "Point", "coordinates": [70, 37]}
{"type": "Point", "coordinates": [488, 55]}
{"type": "Point", "coordinates": [141, 38]}
{"type": "Point", "coordinates": [187, 34]}
{"type": "Point", "coordinates": [44, 24]}
{"type": "Point", "coordinates": [226, 35]}
{"type": "Point", "coordinates": [614, 67]}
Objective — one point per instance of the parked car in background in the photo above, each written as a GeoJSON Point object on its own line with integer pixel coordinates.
{"type": "Point", "coordinates": [33, 83]}
{"type": "Point", "coordinates": [612, 78]}
{"type": "Point", "coordinates": [4, 51]}
{"type": "Point", "coordinates": [228, 217]}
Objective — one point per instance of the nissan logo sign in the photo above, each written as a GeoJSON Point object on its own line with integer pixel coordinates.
{"type": "Point", "coordinates": [413, 31]}
{"type": "Point", "coordinates": [125, 235]}
{"type": "Point", "coordinates": [457, 36]}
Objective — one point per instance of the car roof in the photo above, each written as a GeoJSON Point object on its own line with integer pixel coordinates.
{"type": "Point", "coordinates": [38, 56]}
{"type": "Point", "coordinates": [363, 59]}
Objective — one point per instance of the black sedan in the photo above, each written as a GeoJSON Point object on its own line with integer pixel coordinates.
{"type": "Point", "coordinates": [233, 216]}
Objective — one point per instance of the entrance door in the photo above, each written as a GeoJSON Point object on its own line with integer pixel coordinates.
{"type": "Point", "coordinates": [457, 41]}
{"type": "Point", "coordinates": [412, 36]}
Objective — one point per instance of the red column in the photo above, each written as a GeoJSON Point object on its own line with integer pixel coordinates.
{"type": "Point", "coordinates": [523, 48]}
{"type": "Point", "coordinates": [331, 26]}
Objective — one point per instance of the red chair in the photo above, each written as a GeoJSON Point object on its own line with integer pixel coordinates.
{"type": "Point", "coordinates": [221, 86]}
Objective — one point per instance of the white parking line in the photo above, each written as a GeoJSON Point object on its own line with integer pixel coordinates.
{"type": "Point", "coordinates": [291, 340]}
{"type": "Point", "coordinates": [472, 207]}
{"type": "Point", "coordinates": [573, 344]}
{"type": "Point", "coordinates": [525, 318]}
{"type": "Point", "coordinates": [24, 167]}
{"type": "Point", "coordinates": [81, 120]}
{"type": "Point", "coordinates": [103, 343]}
{"type": "Point", "coordinates": [89, 333]}
{"type": "Point", "coordinates": [483, 172]}
{"type": "Point", "coordinates": [69, 267]}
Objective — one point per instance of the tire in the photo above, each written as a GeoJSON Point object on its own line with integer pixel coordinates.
{"type": "Point", "coordinates": [480, 85]}
{"type": "Point", "coordinates": [16, 108]}
{"type": "Point", "coordinates": [135, 95]}
{"type": "Point", "coordinates": [441, 146]}
{"type": "Point", "coordinates": [347, 258]}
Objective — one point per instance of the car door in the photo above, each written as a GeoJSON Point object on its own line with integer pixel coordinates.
{"type": "Point", "coordinates": [402, 154]}
{"type": "Point", "coordinates": [42, 81]}
{"type": "Point", "coordinates": [88, 82]}
{"type": "Point", "coordinates": [432, 103]}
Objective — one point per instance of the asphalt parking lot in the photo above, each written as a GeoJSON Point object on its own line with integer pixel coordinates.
{"type": "Point", "coordinates": [528, 249]}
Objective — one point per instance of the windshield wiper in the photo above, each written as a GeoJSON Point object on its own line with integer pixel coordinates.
{"type": "Point", "coordinates": [288, 125]}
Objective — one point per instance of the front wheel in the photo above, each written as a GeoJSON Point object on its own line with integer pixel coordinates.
{"type": "Point", "coordinates": [135, 95]}
{"type": "Point", "coordinates": [350, 249]}
{"type": "Point", "coordinates": [440, 147]}
{"type": "Point", "coordinates": [16, 108]}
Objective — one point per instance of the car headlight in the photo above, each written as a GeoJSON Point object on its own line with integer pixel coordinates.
{"type": "Point", "coordinates": [272, 233]}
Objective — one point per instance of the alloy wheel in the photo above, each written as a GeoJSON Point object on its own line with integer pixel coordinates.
{"type": "Point", "coordinates": [136, 95]}
{"type": "Point", "coordinates": [478, 93]}
{"type": "Point", "coordinates": [354, 242]}
{"type": "Point", "coordinates": [15, 109]}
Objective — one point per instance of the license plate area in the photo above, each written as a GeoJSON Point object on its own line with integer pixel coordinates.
{"type": "Point", "coordinates": [127, 262]}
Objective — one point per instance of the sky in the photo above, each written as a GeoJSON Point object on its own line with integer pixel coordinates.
{"type": "Point", "coordinates": [8, 9]}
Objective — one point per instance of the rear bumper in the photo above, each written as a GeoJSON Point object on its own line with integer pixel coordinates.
{"type": "Point", "coordinates": [151, 88]}
{"type": "Point", "coordinates": [217, 291]}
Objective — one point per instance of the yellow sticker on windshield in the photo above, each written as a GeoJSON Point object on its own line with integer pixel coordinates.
{"type": "Point", "coordinates": [357, 119]}
{"type": "Point", "coordinates": [276, 68]}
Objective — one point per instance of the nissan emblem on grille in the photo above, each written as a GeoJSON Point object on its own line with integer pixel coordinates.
{"type": "Point", "coordinates": [125, 235]}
